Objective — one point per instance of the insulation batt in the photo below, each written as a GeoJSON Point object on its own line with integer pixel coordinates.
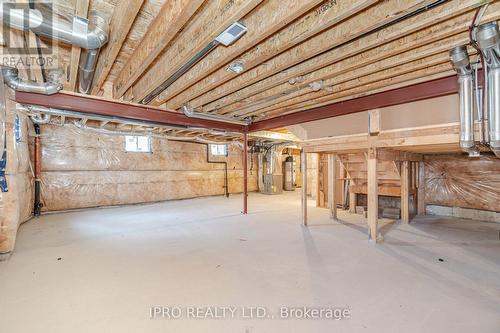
{"type": "Point", "coordinates": [16, 204]}
{"type": "Point", "coordinates": [460, 181]}
{"type": "Point", "coordinates": [81, 168]}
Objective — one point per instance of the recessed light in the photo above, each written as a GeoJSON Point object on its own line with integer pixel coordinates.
{"type": "Point", "coordinates": [316, 85]}
{"type": "Point", "coordinates": [236, 67]}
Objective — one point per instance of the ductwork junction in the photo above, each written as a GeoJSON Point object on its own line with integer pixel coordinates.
{"type": "Point", "coordinates": [460, 60]}
{"type": "Point", "coordinates": [90, 35]}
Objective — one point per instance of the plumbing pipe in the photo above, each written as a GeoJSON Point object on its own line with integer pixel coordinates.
{"type": "Point", "coordinates": [12, 80]}
{"type": "Point", "coordinates": [89, 35]}
{"type": "Point", "coordinates": [226, 180]}
{"type": "Point", "coordinates": [461, 63]}
{"type": "Point", "coordinates": [38, 171]}
{"type": "Point", "coordinates": [488, 40]}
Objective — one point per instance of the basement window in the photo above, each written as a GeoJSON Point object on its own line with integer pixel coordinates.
{"type": "Point", "coordinates": [138, 144]}
{"type": "Point", "coordinates": [218, 150]}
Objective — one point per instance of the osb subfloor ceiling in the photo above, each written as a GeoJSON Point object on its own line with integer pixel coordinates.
{"type": "Point", "coordinates": [296, 55]}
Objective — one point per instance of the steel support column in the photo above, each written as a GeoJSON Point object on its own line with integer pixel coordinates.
{"type": "Point", "coordinates": [303, 167]}
{"type": "Point", "coordinates": [245, 173]}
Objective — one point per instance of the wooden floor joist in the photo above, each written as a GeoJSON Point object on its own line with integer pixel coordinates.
{"type": "Point", "coordinates": [425, 28]}
{"type": "Point", "coordinates": [311, 24]}
{"type": "Point", "coordinates": [422, 67]}
{"type": "Point", "coordinates": [372, 18]}
{"type": "Point", "coordinates": [263, 22]}
{"type": "Point", "coordinates": [172, 17]}
{"type": "Point", "coordinates": [216, 16]}
{"type": "Point", "coordinates": [367, 89]}
{"type": "Point", "coordinates": [119, 27]}
{"type": "Point", "coordinates": [347, 70]}
{"type": "Point", "coordinates": [82, 7]}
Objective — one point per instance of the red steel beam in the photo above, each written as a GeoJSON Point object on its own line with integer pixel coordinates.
{"type": "Point", "coordinates": [416, 92]}
{"type": "Point", "coordinates": [92, 105]}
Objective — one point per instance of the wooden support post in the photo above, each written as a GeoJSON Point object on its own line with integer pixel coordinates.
{"type": "Point", "coordinates": [405, 192]}
{"type": "Point", "coordinates": [372, 194]}
{"type": "Point", "coordinates": [245, 174]}
{"type": "Point", "coordinates": [332, 181]}
{"type": "Point", "coordinates": [421, 189]}
{"type": "Point", "coordinates": [303, 163]}
{"type": "Point", "coordinates": [318, 177]}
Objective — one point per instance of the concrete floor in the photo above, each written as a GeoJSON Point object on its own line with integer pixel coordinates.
{"type": "Point", "coordinates": [102, 270]}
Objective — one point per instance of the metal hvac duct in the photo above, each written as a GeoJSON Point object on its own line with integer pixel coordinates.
{"type": "Point", "coordinates": [11, 79]}
{"type": "Point", "coordinates": [461, 63]}
{"type": "Point", "coordinates": [189, 112]}
{"type": "Point", "coordinates": [89, 35]}
{"type": "Point", "coordinates": [488, 40]}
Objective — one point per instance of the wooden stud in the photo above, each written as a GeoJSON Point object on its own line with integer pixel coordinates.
{"type": "Point", "coordinates": [303, 163]}
{"type": "Point", "coordinates": [35, 69]}
{"type": "Point", "coordinates": [81, 9]}
{"type": "Point", "coordinates": [372, 194]}
{"type": "Point", "coordinates": [332, 182]}
{"type": "Point", "coordinates": [123, 17]}
{"type": "Point", "coordinates": [421, 189]}
{"type": "Point", "coordinates": [405, 192]}
{"type": "Point", "coordinates": [318, 177]}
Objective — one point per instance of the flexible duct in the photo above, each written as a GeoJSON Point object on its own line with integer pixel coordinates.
{"type": "Point", "coordinates": [11, 79]}
{"type": "Point", "coordinates": [488, 40]}
{"type": "Point", "coordinates": [461, 63]}
{"type": "Point", "coordinates": [89, 35]}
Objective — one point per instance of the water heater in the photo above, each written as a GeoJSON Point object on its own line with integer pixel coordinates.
{"type": "Point", "coordinates": [289, 174]}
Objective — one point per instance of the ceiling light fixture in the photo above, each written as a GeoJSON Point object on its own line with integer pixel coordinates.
{"type": "Point", "coordinates": [226, 38]}
{"type": "Point", "coordinates": [236, 67]}
{"type": "Point", "coordinates": [231, 34]}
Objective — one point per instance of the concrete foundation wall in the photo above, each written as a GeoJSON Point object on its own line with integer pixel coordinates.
{"type": "Point", "coordinates": [81, 168]}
